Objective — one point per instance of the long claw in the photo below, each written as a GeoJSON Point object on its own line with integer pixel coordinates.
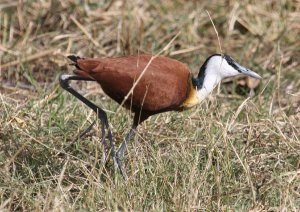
{"type": "Point", "coordinates": [119, 162]}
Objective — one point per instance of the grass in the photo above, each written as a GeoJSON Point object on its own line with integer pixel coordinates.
{"type": "Point", "coordinates": [229, 153]}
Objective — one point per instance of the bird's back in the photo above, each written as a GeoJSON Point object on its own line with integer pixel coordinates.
{"type": "Point", "coordinates": [163, 86]}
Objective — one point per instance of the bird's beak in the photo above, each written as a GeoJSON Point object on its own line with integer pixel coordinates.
{"type": "Point", "coordinates": [248, 72]}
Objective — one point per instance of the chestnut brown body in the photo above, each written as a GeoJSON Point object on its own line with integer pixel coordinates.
{"type": "Point", "coordinates": [164, 85]}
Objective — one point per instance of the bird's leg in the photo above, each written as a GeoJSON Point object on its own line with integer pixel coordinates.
{"type": "Point", "coordinates": [104, 122]}
{"type": "Point", "coordinates": [103, 139]}
{"type": "Point", "coordinates": [64, 82]}
{"type": "Point", "coordinates": [121, 150]}
{"type": "Point", "coordinates": [138, 118]}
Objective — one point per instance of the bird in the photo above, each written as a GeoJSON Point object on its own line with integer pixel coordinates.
{"type": "Point", "coordinates": [148, 85]}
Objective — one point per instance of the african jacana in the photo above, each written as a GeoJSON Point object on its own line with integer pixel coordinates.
{"type": "Point", "coordinates": [165, 85]}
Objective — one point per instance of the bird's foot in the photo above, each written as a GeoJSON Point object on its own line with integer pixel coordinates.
{"type": "Point", "coordinates": [119, 163]}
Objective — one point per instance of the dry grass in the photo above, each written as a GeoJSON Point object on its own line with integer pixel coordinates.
{"type": "Point", "coordinates": [230, 153]}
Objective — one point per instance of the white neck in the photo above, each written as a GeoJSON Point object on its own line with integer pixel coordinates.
{"type": "Point", "coordinates": [210, 82]}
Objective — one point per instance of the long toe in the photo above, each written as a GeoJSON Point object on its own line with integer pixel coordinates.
{"type": "Point", "coordinates": [115, 161]}
{"type": "Point", "coordinates": [119, 161]}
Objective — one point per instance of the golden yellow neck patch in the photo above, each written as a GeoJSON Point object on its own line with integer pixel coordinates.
{"type": "Point", "coordinates": [192, 98]}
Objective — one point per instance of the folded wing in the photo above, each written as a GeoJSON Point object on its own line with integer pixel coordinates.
{"type": "Point", "coordinates": [162, 87]}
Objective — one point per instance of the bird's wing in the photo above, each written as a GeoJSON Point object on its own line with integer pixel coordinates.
{"type": "Point", "coordinates": [163, 85]}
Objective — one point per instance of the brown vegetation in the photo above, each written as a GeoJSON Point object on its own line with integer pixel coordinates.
{"type": "Point", "coordinates": [230, 153]}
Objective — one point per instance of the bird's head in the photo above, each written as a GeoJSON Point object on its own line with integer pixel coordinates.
{"type": "Point", "coordinates": [214, 69]}
{"type": "Point", "coordinates": [224, 66]}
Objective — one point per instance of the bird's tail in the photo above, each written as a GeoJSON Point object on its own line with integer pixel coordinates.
{"type": "Point", "coordinates": [84, 66]}
{"type": "Point", "coordinates": [74, 58]}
